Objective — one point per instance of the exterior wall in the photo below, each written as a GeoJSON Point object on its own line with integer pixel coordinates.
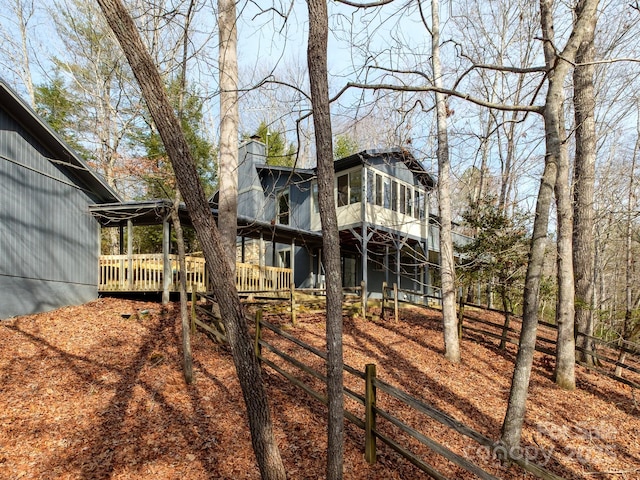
{"type": "Point", "coordinates": [49, 243]}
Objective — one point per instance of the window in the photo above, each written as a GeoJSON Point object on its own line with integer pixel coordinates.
{"type": "Point", "coordinates": [371, 186]}
{"type": "Point", "coordinates": [409, 202]}
{"type": "Point", "coordinates": [343, 190]}
{"type": "Point", "coordinates": [314, 197]}
{"type": "Point", "coordinates": [419, 210]}
{"type": "Point", "coordinates": [403, 195]}
{"type": "Point", "coordinates": [285, 258]}
{"type": "Point", "coordinates": [355, 187]}
{"type": "Point", "coordinates": [378, 190]}
{"type": "Point", "coordinates": [394, 196]}
{"type": "Point", "coordinates": [386, 182]}
{"type": "Point", "coordinates": [349, 188]}
{"type": "Point", "coordinates": [282, 207]}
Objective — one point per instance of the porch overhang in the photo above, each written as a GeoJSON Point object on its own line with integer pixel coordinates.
{"type": "Point", "coordinates": [153, 212]}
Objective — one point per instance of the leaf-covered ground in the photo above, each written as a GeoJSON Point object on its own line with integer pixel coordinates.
{"type": "Point", "coordinates": [86, 393]}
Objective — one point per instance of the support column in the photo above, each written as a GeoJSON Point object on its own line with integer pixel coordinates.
{"type": "Point", "coordinates": [398, 265]}
{"type": "Point", "coordinates": [120, 240]}
{"type": "Point", "coordinates": [261, 262]}
{"type": "Point", "coordinates": [292, 256]}
{"type": "Point", "coordinates": [386, 264]}
{"type": "Point", "coordinates": [130, 254]}
{"type": "Point", "coordinates": [365, 262]}
{"type": "Point", "coordinates": [166, 262]}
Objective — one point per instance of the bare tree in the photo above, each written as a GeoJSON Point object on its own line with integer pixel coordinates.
{"type": "Point", "coordinates": [17, 50]}
{"type": "Point", "coordinates": [447, 262]}
{"type": "Point", "coordinates": [558, 66]}
{"type": "Point", "coordinates": [228, 165]}
{"type": "Point", "coordinates": [584, 180]}
{"type": "Point", "coordinates": [247, 367]}
{"type": "Point", "coordinates": [317, 62]}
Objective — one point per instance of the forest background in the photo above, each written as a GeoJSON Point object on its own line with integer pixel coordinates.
{"type": "Point", "coordinates": [514, 115]}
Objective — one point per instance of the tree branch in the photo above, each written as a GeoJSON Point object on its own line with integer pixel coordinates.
{"type": "Point", "coordinates": [431, 88]}
{"type": "Point", "coordinates": [364, 5]}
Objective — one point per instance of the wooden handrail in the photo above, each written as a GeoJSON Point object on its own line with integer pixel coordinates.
{"type": "Point", "coordinates": [144, 272]}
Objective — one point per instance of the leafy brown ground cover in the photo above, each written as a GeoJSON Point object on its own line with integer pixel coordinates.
{"type": "Point", "coordinates": [88, 394]}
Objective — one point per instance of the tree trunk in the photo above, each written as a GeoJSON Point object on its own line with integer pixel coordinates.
{"type": "Point", "coordinates": [447, 262]}
{"type": "Point", "coordinates": [228, 166]}
{"type": "Point", "coordinates": [584, 180]}
{"type": "Point", "coordinates": [628, 310]}
{"type": "Point", "coordinates": [184, 308]}
{"type": "Point", "coordinates": [558, 68]}
{"type": "Point", "coordinates": [317, 61]}
{"type": "Point", "coordinates": [222, 278]}
{"type": "Point", "coordinates": [565, 367]}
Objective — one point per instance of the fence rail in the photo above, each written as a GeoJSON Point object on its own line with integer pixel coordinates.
{"type": "Point", "coordinates": [368, 399]}
{"type": "Point", "coordinates": [607, 355]}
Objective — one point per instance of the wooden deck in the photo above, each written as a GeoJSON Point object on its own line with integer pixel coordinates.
{"type": "Point", "coordinates": [146, 273]}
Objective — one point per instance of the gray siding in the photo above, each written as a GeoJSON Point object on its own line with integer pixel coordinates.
{"type": "Point", "coordinates": [49, 243]}
{"type": "Point", "coordinates": [394, 168]}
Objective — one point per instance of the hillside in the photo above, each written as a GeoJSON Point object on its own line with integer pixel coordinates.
{"type": "Point", "coordinates": [89, 394]}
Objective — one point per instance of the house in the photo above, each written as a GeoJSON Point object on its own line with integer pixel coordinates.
{"type": "Point", "coordinates": [387, 232]}
{"type": "Point", "coordinates": [49, 242]}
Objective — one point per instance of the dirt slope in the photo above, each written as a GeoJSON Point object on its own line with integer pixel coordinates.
{"type": "Point", "coordinates": [88, 394]}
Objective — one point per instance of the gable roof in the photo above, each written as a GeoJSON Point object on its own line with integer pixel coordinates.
{"type": "Point", "coordinates": [21, 112]}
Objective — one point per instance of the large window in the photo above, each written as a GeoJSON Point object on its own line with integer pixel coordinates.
{"type": "Point", "coordinates": [355, 187]}
{"type": "Point", "coordinates": [343, 190]}
{"type": "Point", "coordinates": [371, 186]}
{"type": "Point", "coordinates": [386, 189]}
{"type": "Point", "coordinates": [349, 188]}
{"type": "Point", "coordinates": [283, 207]}
{"type": "Point", "coordinates": [399, 197]}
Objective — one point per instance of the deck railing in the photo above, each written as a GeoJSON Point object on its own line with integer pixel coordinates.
{"type": "Point", "coordinates": [145, 273]}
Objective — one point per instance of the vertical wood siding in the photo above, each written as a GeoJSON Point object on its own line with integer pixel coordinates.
{"type": "Point", "coordinates": [49, 243]}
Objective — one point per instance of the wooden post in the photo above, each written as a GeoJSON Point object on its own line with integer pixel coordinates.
{"type": "Point", "coordinates": [370, 414]}
{"type": "Point", "coordinates": [292, 290]}
{"type": "Point", "coordinates": [505, 331]}
{"type": "Point", "coordinates": [384, 300]}
{"type": "Point", "coordinates": [130, 254]}
{"type": "Point", "coordinates": [167, 272]}
{"type": "Point", "coordinates": [460, 316]}
{"type": "Point", "coordinates": [261, 263]}
{"type": "Point", "coordinates": [257, 347]}
{"type": "Point", "coordinates": [363, 297]}
{"type": "Point", "coordinates": [194, 299]}
{"type": "Point", "coordinates": [395, 301]}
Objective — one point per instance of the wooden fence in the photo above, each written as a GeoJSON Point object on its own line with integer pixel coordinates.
{"type": "Point", "coordinates": [371, 387]}
{"type": "Point", "coordinates": [609, 358]}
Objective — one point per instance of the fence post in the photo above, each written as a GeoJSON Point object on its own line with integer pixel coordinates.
{"type": "Point", "coordinates": [505, 331]}
{"type": "Point", "coordinates": [194, 299]}
{"type": "Point", "coordinates": [370, 414]}
{"type": "Point", "coordinates": [384, 299]}
{"type": "Point", "coordinates": [395, 301]}
{"type": "Point", "coordinates": [460, 317]}
{"type": "Point", "coordinates": [363, 297]}
{"type": "Point", "coordinates": [292, 292]}
{"type": "Point", "coordinates": [257, 347]}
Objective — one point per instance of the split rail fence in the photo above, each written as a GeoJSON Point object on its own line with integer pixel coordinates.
{"type": "Point", "coordinates": [366, 397]}
{"type": "Point", "coordinates": [610, 358]}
